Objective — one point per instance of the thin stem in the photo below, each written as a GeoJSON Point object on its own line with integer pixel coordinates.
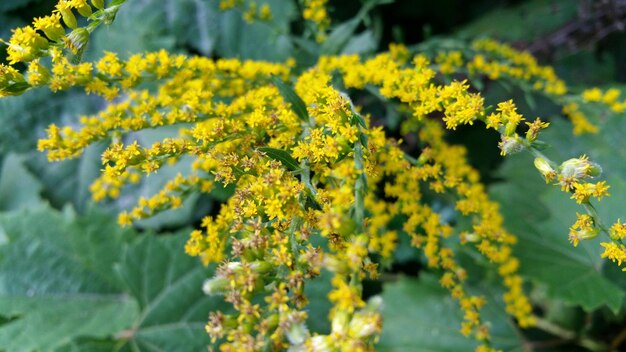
{"type": "Point", "coordinates": [568, 335]}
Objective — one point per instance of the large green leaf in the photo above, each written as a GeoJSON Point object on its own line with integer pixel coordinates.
{"type": "Point", "coordinates": [56, 281]}
{"type": "Point", "coordinates": [68, 281]}
{"type": "Point", "coordinates": [67, 181]}
{"type": "Point", "coordinates": [14, 176]}
{"type": "Point", "coordinates": [149, 24]}
{"type": "Point", "coordinates": [168, 286]}
{"type": "Point", "coordinates": [258, 40]}
{"type": "Point", "coordinates": [420, 315]}
{"type": "Point", "coordinates": [45, 322]}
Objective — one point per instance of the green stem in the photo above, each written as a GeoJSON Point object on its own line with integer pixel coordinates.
{"type": "Point", "coordinates": [568, 335]}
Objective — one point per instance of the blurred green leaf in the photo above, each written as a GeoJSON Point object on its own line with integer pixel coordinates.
{"type": "Point", "coordinates": [339, 37]}
{"type": "Point", "coordinates": [290, 96]}
{"type": "Point", "coordinates": [15, 4]}
{"type": "Point", "coordinates": [18, 187]}
{"type": "Point", "coordinates": [280, 155]}
{"type": "Point", "coordinates": [362, 43]}
{"type": "Point", "coordinates": [526, 21]}
{"type": "Point", "coordinates": [67, 181]}
{"type": "Point", "coordinates": [23, 118]}
{"type": "Point", "coordinates": [44, 323]}
{"type": "Point", "coordinates": [148, 22]}
{"type": "Point", "coordinates": [319, 306]}
{"type": "Point", "coordinates": [259, 40]}
{"type": "Point", "coordinates": [420, 315]}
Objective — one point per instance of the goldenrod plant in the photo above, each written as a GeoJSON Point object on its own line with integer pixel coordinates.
{"type": "Point", "coordinates": [316, 186]}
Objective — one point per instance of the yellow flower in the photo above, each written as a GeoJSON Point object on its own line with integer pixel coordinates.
{"type": "Point", "coordinates": [614, 252]}
{"type": "Point", "coordinates": [25, 45]}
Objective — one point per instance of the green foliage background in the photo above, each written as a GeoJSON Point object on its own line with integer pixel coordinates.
{"type": "Point", "coordinates": [72, 280]}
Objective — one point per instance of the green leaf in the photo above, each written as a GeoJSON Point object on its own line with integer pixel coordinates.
{"type": "Point", "coordinates": [167, 283]}
{"type": "Point", "coordinates": [339, 36]}
{"type": "Point", "coordinates": [67, 280]}
{"type": "Point", "coordinates": [571, 274]}
{"type": "Point", "coordinates": [317, 291]}
{"type": "Point", "coordinates": [148, 34]}
{"type": "Point", "coordinates": [290, 96]}
{"type": "Point", "coordinates": [56, 281]}
{"type": "Point", "coordinates": [67, 181]}
{"type": "Point", "coordinates": [91, 345]}
{"type": "Point", "coordinates": [18, 187]}
{"type": "Point", "coordinates": [47, 322]}
{"type": "Point", "coordinates": [281, 155]}
{"type": "Point", "coordinates": [515, 23]}
{"type": "Point", "coordinates": [259, 40]}
{"type": "Point", "coordinates": [419, 315]}
{"type": "Point", "coordinates": [361, 43]}
{"type": "Point", "coordinates": [23, 118]}
{"type": "Point", "coordinates": [357, 119]}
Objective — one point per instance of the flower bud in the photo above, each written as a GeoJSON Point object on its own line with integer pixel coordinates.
{"type": "Point", "coordinates": [99, 4]}
{"type": "Point", "coordinates": [77, 40]}
{"type": "Point", "coordinates": [297, 333]}
{"type": "Point", "coordinates": [365, 324]}
{"type": "Point", "coordinates": [320, 343]}
{"type": "Point", "coordinates": [587, 233]}
{"type": "Point", "coordinates": [215, 286]}
{"type": "Point", "coordinates": [261, 267]}
{"type": "Point", "coordinates": [469, 237]}
{"type": "Point", "coordinates": [509, 129]}
{"type": "Point", "coordinates": [595, 170]}
{"type": "Point", "coordinates": [84, 10]}
{"type": "Point", "coordinates": [68, 18]}
{"type": "Point", "coordinates": [545, 169]}
{"type": "Point", "coordinates": [510, 145]}
{"type": "Point", "coordinates": [580, 168]}
{"type": "Point", "coordinates": [340, 322]}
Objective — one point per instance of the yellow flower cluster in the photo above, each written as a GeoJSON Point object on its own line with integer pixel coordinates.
{"type": "Point", "coordinates": [583, 229]}
{"type": "Point", "coordinates": [340, 161]}
{"type": "Point", "coordinates": [610, 98]}
{"type": "Point", "coordinates": [494, 59]}
{"type": "Point", "coordinates": [252, 12]}
{"type": "Point", "coordinates": [317, 188]}
{"type": "Point", "coordinates": [579, 120]}
{"type": "Point", "coordinates": [315, 12]}
{"type": "Point", "coordinates": [572, 176]}
{"type": "Point", "coordinates": [616, 252]}
{"type": "Point", "coordinates": [499, 61]}
{"type": "Point", "coordinates": [48, 33]}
